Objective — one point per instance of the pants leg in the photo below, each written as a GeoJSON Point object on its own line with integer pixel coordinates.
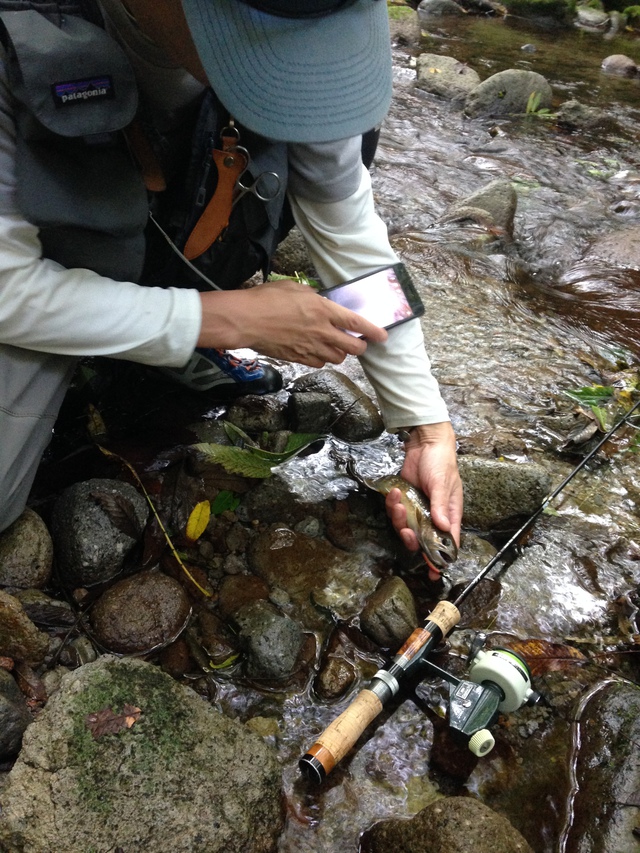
{"type": "Point", "coordinates": [32, 387]}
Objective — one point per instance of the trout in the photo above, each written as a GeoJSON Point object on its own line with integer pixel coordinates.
{"type": "Point", "coordinates": [438, 548]}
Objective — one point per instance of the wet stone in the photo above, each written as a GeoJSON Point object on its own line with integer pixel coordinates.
{"type": "Point", "coordinates": [255, 414]}
{"type": "Point", "coordinates": [14, 716]}
{"type": "Point", "coordinates": [497, 491]}
{"type": "Point", "coordinates": [175, 658]}
{"type": "Point", "coordinates": [19, 637]}
{"type": "Point", "coordinates": [183, 777]}
{"type": "Point", "coordinates": [140, 613]}
{"type": "Point", "coordinates": [26, 552]}
{"type": "Point", "coordinates": [310, 411]}
{"type": "Point", "coordinates": [214, 636]}
{"type": "Point", "coordinates": [619, 64]}
{"type": "Point", "coordinates": [355, 415]}
{"type": "Point", "coordinates": [239, 590]}
{"type": "Point", "coordinates": [606, 806]}
{"type": "Point", "coordinates": [451, 825]}
{"type": "Point", "coordinates": [445, 76]}
{"type": "Point", "coordinates": [44, 611]}
{"type": "Point", "coordinates": [95, 524]}
{"type": "Point", "coordinates": [271, 641]}
{"type": "Point", "coordinates": [317, 576]}
{"type": "Point", "coordinates": [334, 679]}
{"type": "Point", "coordinates": [507, 93]}
{"type": "Point", "coordinates": [390, 615]}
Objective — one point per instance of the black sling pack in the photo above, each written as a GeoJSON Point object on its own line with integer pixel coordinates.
{"type": "Point", "coordinates": [79, 183]}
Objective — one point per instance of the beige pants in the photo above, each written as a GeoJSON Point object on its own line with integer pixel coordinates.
{"type": "Point", "coordinates": [32, 387]}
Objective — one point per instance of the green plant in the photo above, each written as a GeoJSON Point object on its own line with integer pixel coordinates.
{"type": "Point", "coordinates": [533, 107]}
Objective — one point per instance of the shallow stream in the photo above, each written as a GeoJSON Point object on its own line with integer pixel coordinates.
{"type": "Point", "coordinates": [509, 331]}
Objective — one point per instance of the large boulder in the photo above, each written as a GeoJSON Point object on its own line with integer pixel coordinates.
{"type": "Point", "coordinates": [122, 756]}
{"type": "Point", "coordinates": [507, 93]}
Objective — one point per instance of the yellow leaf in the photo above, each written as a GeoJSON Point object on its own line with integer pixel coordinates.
{"type": "Point", "coordinates": [198, 520]}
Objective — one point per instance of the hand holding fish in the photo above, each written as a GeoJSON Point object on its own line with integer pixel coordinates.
{"type": "Point", "coordinates": [431, 465]}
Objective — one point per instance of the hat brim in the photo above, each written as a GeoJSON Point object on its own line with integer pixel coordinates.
{"type": "Point", "coordinates": [292, 79]}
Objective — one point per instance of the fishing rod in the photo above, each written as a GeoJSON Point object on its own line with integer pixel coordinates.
{"type": "Point", "coordinates": [499, 680]}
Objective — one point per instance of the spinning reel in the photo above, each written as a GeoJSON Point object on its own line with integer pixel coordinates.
{"type": "Point", "coordinates": [499, 682]}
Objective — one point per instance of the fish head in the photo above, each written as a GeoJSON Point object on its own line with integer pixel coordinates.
{"type": "Point", "coordinates": [438, 547]}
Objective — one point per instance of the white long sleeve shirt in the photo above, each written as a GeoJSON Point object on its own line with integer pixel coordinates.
{"type": "Point", "coordinates": [48, 308]}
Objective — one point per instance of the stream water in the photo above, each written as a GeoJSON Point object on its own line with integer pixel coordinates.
{"type": "Point", "coordinates": [509, 331]}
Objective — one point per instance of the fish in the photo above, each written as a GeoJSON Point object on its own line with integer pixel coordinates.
{"type": "Point", "coordinates": [438, 548]}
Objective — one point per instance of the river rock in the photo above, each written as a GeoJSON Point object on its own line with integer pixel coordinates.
{"type": "Point", "coordinates": [95, 524]}
{"type": "Point", "coordinates": [606, 802]}
{"type": "Point", "coordinates": [183, 777]}
{"type": "Point", "coordinates": [310, 411]}
{"type": "Point", "coordinates": [26, 552]}
{"type": "Point", "coordinates": [577, 115]}
{"type": "Point", "coordinates": [498, 199]}
{"type": "Point", "coordinates": [271, 641]}
{"type": "Point", "coordinates": [438, 8]}
{"type": "Point", "coordinates": [450, 825]}
{"type": "Point", "coordinates": [507, 93]}
{"type": "Point", "coordinates": [139, 613]}
{"type": "Point", "coordinates": [496, 491]}
{"type": "Point", "coordinates": [19, 637]}
{"type": "Point", "coordinates": [445, 76]}
{"type": "Point", "coordinates": [239, 590]}
{"type": "Point", "coordinates": [390, 614]}
{"type": "Point", "coordinates": [619, 64]}
{"type": "Point", "coordinates": [14, 716]}
{"type": "Point", "coordinates": [319, 578]}
{"type": "Point", "coordinates": [620, 248]}
{"type": "Point", "coordinates": [590, 18]}
{"type": "Point", "coordinates": [334, 679]}
{"type": "Point", "coordinates": [255, 414]}
{"type": "Point", "coordinates": [355, 415]}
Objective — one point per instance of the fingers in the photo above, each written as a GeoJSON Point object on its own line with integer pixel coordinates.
{"type": "Point", "coordinates": [353, 322]}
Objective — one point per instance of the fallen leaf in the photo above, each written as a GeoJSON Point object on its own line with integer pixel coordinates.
{"type": "Point", "coordinates": [6, 663]}
{"type": "Point", "coordinates": [120, 512]}
{"type": "Point", "coordinates": [107, 722]}
{"type": "Point", "coordinates": [198, 520]}
{"type": "Point", "coordinates": [542, 656]}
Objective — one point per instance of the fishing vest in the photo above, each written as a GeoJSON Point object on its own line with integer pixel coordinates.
{"type": "Point", "coordinates": [80, 159]}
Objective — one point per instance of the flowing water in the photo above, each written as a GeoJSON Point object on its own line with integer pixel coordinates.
{"type": "Point", "coordinates": [510, 329]}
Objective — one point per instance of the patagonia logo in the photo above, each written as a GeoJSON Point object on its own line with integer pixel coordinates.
{"type": "Point", "coordinates": [76, 91]}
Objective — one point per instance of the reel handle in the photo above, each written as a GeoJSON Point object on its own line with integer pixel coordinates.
{"type": "Point", "coordinates": [343, 733]}
{"type": "Point", "coordinates": [340, 736]}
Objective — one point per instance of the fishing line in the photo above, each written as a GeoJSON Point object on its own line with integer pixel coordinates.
{"type": "Point", "coordinates": [531, 521]}
{"type": "Point", "coordinates": [500, 680]}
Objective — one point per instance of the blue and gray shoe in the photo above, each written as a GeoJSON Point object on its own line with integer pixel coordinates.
{"type": "Point", "coordinates": [225, 375]}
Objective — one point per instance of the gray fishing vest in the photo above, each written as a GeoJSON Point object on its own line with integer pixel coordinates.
{"type": "Point", "coordinates": [75, 92]}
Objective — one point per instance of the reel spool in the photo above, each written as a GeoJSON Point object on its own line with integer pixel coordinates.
{"type": "Point", "coordinates": [499, 681]}
{"type": "Point", "coordinates": [508, 672]}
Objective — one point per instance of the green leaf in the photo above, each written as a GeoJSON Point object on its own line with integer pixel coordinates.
{"type": "Point", "coordinates": [600, 416]}
{"type": "Point", "coordinates": [224, 500]}
{"type": "Point", "coordinates": [591, 395]}
{"type": "Point", "coordinates": [236, 460]}
{"type": "Point", "coordinates": [238, 436]}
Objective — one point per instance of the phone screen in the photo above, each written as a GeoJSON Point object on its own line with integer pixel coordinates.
{"type": "Point", "coordinates": [386, 297]}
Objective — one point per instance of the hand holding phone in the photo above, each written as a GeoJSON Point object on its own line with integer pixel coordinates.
{"type": "Point", "coordinates": [386, 297]}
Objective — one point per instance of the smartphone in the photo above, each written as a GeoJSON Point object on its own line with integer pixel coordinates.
{"type": "Point", "coordinates": [386, 297]}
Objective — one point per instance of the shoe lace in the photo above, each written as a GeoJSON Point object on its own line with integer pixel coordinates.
{"type": "Point", "coordinates": [248, 363]}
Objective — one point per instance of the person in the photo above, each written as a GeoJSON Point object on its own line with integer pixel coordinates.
{"type": "Point", "coordinates": [313, 74]}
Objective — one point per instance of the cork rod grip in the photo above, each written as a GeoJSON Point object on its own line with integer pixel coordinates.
{"type": "Point", "coordinates": [342, 734]}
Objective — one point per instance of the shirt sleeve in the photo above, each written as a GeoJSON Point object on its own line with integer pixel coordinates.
{"type": "Point", "coordinates": [346, 239]}
{"type": "Point", "coordinates": [48, 308]}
